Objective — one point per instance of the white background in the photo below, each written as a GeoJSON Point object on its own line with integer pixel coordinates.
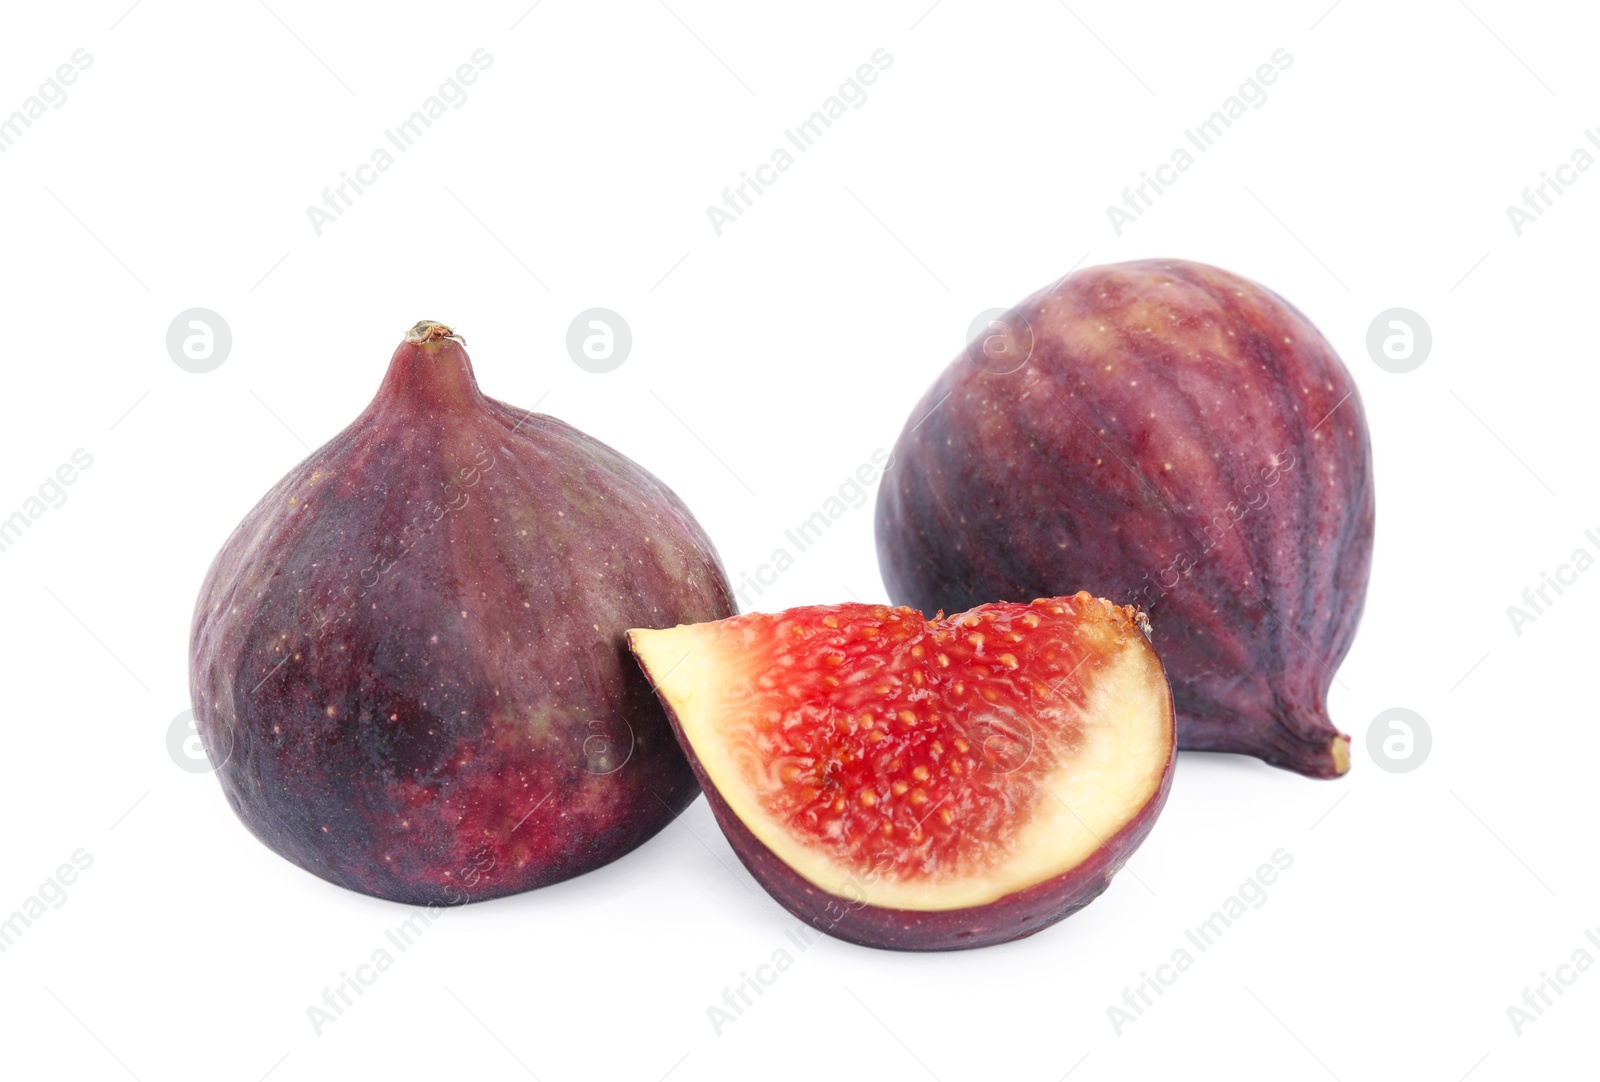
{"type": "Point", "coordinates": [176, 175]}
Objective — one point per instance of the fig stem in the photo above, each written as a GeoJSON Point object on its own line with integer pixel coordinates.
{"type": "Point", "coordinates": [1341, 754]}
{"type": "Point", "coordinates": [428, 330]}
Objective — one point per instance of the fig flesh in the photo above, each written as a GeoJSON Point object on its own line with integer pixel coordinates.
{"type": "Point", "coordinates": [917, 784]}
{"type": "Point", "coordinates": [408, 661]}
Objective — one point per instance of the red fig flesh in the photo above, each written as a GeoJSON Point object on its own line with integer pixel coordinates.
{"type": "Point", "coordinates": [408, 662]}
{"type": "Point", "coordinates": [1181, 437]}
{"type": "Point", "coordinates": [921, 784]}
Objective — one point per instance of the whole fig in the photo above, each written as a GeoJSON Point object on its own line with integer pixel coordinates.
{"type": "Point", "coordinates": [1164, 433]}
{"type": "Point", "coordinates": [408, 662]}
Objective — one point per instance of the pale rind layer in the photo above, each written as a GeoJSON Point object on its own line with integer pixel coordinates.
{"type": "Point", "coordinates": [1113, 772]}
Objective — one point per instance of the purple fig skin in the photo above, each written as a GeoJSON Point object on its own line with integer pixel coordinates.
{"type": "Point", "coordinates": [1181, 438]}
{"type": "Point", "coordinates": [1015, 916]}
{"type": "Point", "coordinates": [408, 661]}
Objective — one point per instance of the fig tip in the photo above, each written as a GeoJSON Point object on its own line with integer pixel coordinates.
{"type": "Point", "coordinates": [428, 330]}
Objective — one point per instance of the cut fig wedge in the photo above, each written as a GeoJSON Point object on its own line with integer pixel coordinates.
{"type": "Point", "coordinates": [917, 784]}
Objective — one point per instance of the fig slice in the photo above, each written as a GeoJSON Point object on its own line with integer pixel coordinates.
{"type": "Point", "coordinates": [917, 784]}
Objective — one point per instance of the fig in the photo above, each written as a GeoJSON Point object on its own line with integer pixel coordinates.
{"type": "Point", "coordinates": [1174, 435]}
{"type": "Point", "coordinates": [922, 785]}
{"type": "Point", "coordinates": [408, 662]}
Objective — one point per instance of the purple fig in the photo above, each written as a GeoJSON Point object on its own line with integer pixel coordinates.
{"type": "Point", "coordinates": [1169, 434]}
{"type": "Point", "coordinates": [408, 662]}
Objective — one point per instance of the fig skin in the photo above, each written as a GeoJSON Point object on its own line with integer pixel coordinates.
{"type": "Point", "coordinates": [1179, 437]}
{"type": "Point", "coordinates": [408, 661]}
